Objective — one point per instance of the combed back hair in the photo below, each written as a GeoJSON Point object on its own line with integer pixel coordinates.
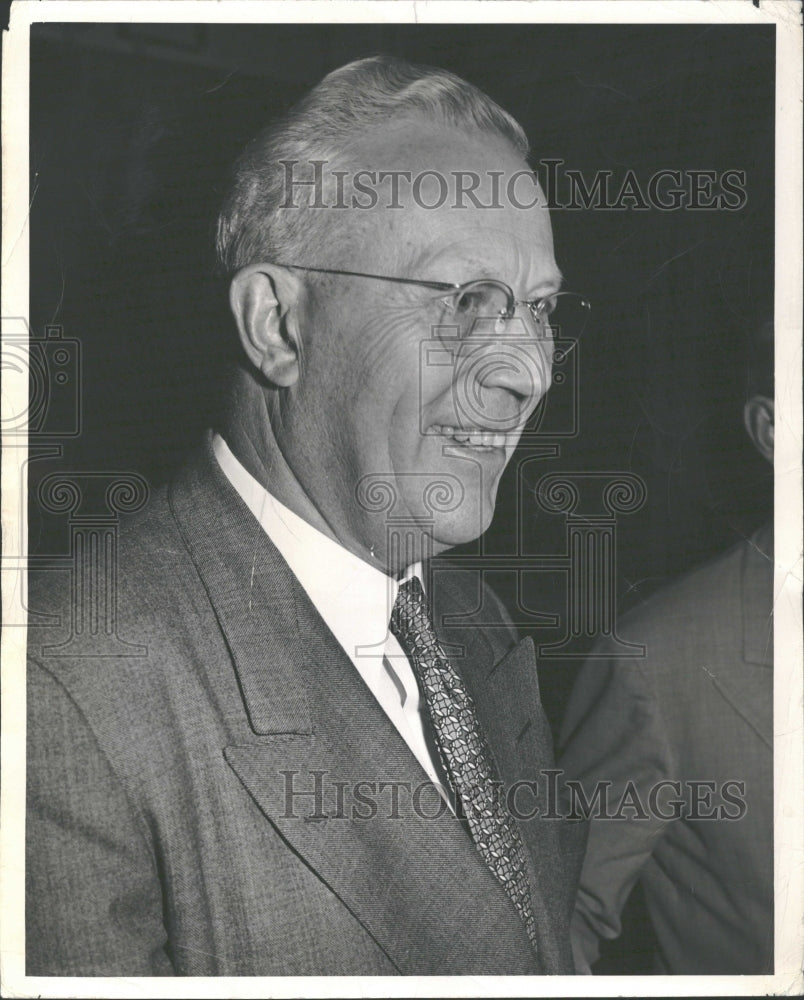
{"type": "Point", "coordinates": [324, 125]}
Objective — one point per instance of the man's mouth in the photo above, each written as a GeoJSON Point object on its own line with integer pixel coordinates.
{"type": "Point", "coordinates": [473, 437]}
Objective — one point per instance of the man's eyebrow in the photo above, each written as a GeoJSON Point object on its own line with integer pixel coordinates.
{"type": "Point", "coordinates": [549, 286]}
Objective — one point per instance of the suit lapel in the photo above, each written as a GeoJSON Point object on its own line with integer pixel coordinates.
{"type": "Point", "coordinates": [757, 598]}
{"type": "Point", "coordinates": [748, 686]}
{"type": "Point", "coordinates": [742, 674]}
{"type": "Point", "coordinates": [248, 585]}
{"type": "Point", "coordinates": [416, 883]}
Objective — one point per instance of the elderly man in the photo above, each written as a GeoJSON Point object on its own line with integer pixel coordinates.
{"type": "Point", "coordinates": [308, 764]}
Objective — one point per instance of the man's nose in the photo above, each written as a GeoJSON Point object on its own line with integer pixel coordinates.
{"type": "Point", "coordinates": [504, 378]}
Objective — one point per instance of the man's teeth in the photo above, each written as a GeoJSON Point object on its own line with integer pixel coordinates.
{"type": "Point", "coordinates": [472, 436]}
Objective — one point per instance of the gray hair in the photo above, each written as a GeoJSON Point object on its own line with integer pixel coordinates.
{"type": "Point", "coordinates": [322, 126]}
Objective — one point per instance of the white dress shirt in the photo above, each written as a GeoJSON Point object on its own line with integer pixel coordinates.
{"type": "Point", "coordinates": [354, 598]}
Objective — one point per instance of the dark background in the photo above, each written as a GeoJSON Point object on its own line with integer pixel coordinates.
{"type": "Point", "coordinates": [133, 128]}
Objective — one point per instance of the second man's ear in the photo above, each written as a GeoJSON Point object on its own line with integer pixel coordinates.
{"type": "Point", "coordinates": [262, 300]}
{"type": "Point", "coordinates": [758, 419]}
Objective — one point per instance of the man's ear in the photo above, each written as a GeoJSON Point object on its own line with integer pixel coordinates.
{"type": "Point", "coordinates": [262, 298]}
{"type": "Point", "coordinates": [758, 419]}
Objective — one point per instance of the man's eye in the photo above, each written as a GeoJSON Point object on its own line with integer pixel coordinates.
{"type": "Point", "coordinates": [546, 307]}
{"type": "Point", "coordinates": [469, 302]}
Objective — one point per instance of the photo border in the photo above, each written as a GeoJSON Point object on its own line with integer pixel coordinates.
{"type": "Point", "coordinates": [788, 701]}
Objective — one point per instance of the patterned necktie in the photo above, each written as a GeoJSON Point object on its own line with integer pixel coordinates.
{"type": "Point", "coordinates": [465, 755]}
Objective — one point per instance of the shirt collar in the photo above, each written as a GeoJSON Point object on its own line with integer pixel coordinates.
{"type": "Point", "coordinates": [354, 598]}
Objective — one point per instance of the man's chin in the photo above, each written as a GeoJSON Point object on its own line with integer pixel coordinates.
{"type": "Point", "coordinates": [443, 513]}
{"type": "Point", "coordinates": [415, 541]}
{"type": "Point", "coordinates": [462, 526]}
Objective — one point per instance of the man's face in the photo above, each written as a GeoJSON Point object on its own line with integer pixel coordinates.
{"type": "Point", "coordinates": [396, 428]}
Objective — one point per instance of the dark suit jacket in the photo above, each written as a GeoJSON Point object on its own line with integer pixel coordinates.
{"type": "Point", "coordinates": [697, 707]}
{"type": "Point", "coordinates": [168, 829]}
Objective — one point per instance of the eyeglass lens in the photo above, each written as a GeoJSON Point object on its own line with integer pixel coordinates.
{"type": "Point", "coordinates": [482, 308]}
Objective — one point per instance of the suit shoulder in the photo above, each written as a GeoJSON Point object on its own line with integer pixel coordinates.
{"type": "Point", "coordinates": [708, 592]}
{"type": "Point", "coordinates": [137, 557]}
{"type": "Point", "coordinates": [121, 610]}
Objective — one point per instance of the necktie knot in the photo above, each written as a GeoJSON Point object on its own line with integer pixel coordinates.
{"type": "Point", "coordinates": [411, 622]}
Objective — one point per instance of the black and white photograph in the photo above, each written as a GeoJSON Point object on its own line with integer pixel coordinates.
{"type": "Point", "coordinates": [402, 499]}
